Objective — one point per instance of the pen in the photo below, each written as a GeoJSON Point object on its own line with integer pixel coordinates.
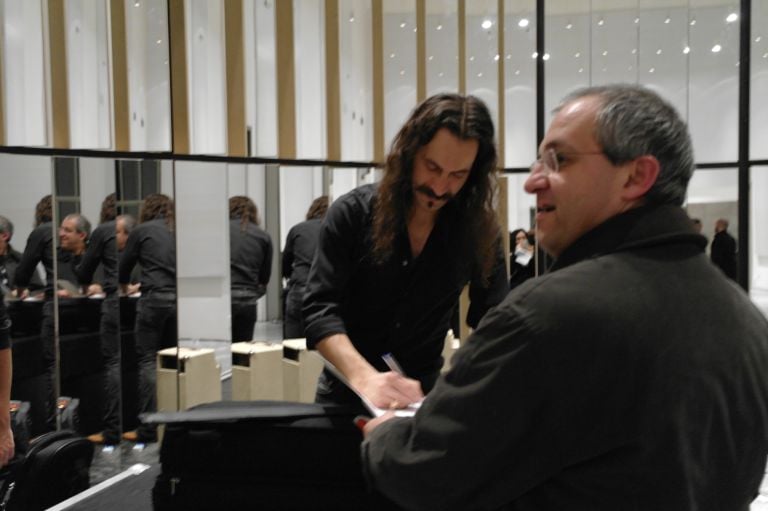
{"type": "Point", "coordinates": [389, 359]}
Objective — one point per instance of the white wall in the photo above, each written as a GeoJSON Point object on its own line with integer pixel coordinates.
{"type": "Point", "coordinates": [97, 180]}
{"type": "Point", "coordinates": [25, 179]}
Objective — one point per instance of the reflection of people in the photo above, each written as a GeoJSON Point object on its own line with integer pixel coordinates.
{"type": "Point", "coordinates": [10, 258]}
{"type": "Point", "coordinates": [300, 246]}
{"type": "Point", "coordinates": [598, 385]}
{"type": "Point", "coordinates": [6, 435]}
{"type": "Point", "coordinates": [723, 249]}
{"type": "Point", "coordinates": [124, 224]}
{"type": "Point", "coordinates": [250, 265]}
{"type": "Point", "coordinates": [393, 258]}
{"type": "Point", "coordinates": [522, 263]}
{"type": "Point", "coordinates": [102, 250]}
{"type": "Point", "coordinates": [39, 249]}
{"type": "Point", "coordinates": [73, 237]}
{"type": "Point", "coordinates": [152, 245]}
{"type": "Point", "coordinates": [696, 224]}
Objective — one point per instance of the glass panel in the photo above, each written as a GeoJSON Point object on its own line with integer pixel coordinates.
{"type": "Point", "coordinates": [309, 54]}
{"type": "Point", "coordinates": [442, 46]}
{"type": "Point", "coordinates": [26, 202]}
{"type": "Point", "coordinates": [207, 77]}
{"type": "Point", "coordinates": [23, 71]}
{"type": "Point", "coordinates": [712, 195]}
{"type": "Point", "coordinates": [713, 86]}
{"type": "Point", "coordinates": [88, 305]}
{"type": "Point", "coordinates": [202, 238]}
{"type": "Point", "coordinates": [88, 71]}
{"type": "Point", "coordinates": [520, 83]}
{"type": "Point", "coordinates": [149, 81]}
{"type": "Point", "coordinates": [663, 60]}
{"type": "Point", "coordinates": [399, 42]}
{"type": "Point", "coordinates": [260, 72]}
{"type": "Point", "coordinates": [758, 237]}
{"type": "Point", "coordinates": [355, 79]}
{"type": "Point", "coordinates": [148, 258]}
{"type": "Point", "coordinates": [758, 98]}
{"type": "Point", "coordinates": [482, 36]}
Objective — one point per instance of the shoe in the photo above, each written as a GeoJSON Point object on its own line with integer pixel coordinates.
{"type": "Point", "coordinates": [131, 436]}
{"type": "Point", "coordinates": [96, 438]}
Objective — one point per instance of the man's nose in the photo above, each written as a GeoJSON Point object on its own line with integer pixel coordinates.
{"type": "Point", "coordinates": [536, 180]}
{"type": "Point", "coordinates": [440, 185]}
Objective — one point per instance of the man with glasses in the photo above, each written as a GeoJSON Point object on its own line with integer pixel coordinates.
{"type": "Point", "coordinates": [630, 376]}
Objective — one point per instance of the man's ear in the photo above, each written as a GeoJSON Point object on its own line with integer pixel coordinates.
{"type": "Point", "coordinates": [642, 175]}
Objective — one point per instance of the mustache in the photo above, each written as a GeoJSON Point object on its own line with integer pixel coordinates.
{"type": "Point", "coordinates": [432, 195]}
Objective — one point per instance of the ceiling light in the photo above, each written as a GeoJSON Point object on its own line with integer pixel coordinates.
{"type": "Point", "coordinates": [496, 58]}
{"type": "Point", "coordinates": [765, 55]}
{"type": "Point", "coordinates": [440, 74]}
{"type": "Point", "coordinates": [391, 55]}
{"type": "Point", "coordinates": [509, 56]}
{"type": "Point", "coordinates": [402, 72]}
{"type": "Point", "coordinates": [534, 55]}
{"type": "Point", "coordinates": [159, 41]}
{"type": "Point", "coordinates": [479, 75]}
{"type": "Point", "coordinates": [577, 54]}
{"type": "Point", "coordinates": [687, 50]}
{"type": "Point", "coordinates": [402, 25]}
{"type": "Point", "coordinates": [545, 56]}
{"type": "Point", "coordinates": [637, 20]}
{"type": "Point", "coordinates": [439, 27]}
{"type": "Point", "coordinates": [517, 71]}
{"type": "Point", "coordinates": [569, 26]}
{"type": "Point", "coordinates": [692, 22]}
{"type": "Point", "coordinates": [667, 20]}
{"type": "Point", "coordinates": [581, 70]}
{"type": "Point", "coordinates": [523, 22]}
{"type": "Point", "coordinates": [352, 19]}
{"type": "Point", "coordinates": [431, 57]}
{"type": "Point", "coordinates": [658, 52]}
{"type": "Point", "coordinates": [601, 22]}
{"type": "Point", "coordinates": [605, 53]}
{"type": "Point", "coordinates": [634, 51]}
{"type": "Point", "coordinates": [486, 24]}
{"type": "Point", "coordinates": [758, 39]}
{"type": "Point", "coordinates": [471, 58]}
{"type": "Point", "coordinates": [653, 69]}
{"type": "Point", "coordinates": [716, 48]}
{"type": "Point", "coordinates": [137, 4]}
{"type": "Point", "coordinates": [732, 17]}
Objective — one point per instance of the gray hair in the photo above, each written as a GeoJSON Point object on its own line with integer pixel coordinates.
{"type": "Point", "coordinates": [633, 121]}
{"type": "Point", "coordinates": [6, 226]}
{"type": "Point", "coordinates": [128, 222]}
{"type": "Point", "coordinates": [82, 225]}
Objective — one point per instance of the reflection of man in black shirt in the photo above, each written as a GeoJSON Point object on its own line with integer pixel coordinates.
{"type": "Point", "coordinates": [300, 246]}
{"type": "Point", "coordinates": [102, 252]}
{"type": "Point", "coordinates": [73, 238]}
{"type": "Point", "coordinates": [39, 249]}
{"type": "Point", "coordinates": [151, 244]}
{"type": "Point", "coordinates": [393, 259]}
{"type": "Point", "coordinates": [250, 256]}
{"type": "Point", "coordinates": [723, 249]}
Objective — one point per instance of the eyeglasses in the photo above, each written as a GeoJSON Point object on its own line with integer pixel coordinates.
{"type": "Point", "coordinates": [550, 160]}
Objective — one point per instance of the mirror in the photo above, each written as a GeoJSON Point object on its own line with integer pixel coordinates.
{"type": "Point", "coordinates": [87, 298]}
{"type": "Point", "coordinates": [147, 276]}
{"type": "Point", "coordinates": [27, 180]}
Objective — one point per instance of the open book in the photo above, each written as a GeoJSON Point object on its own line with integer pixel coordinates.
{"type": "Point", "coordinates": [408, 411]}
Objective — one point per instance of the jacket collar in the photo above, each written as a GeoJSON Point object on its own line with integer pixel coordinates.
{"type": "Point", "coordinates": [641, 227]}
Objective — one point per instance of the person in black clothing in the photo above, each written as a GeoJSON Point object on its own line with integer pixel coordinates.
{"type": "Point", "coordinates": [723, 249]}
{"type": "Point", "coordinates": [39, 249]}
{"type": "Point", "coordinates": [102, 252]}
{"type": "Point", "coordinates": [74, 232]}
{"type": "Point", "coordinates": [152, 245]}
{"type": "Point", "coordinates": [522, 260]}
{"type": "Point", "coordinates": [614, 380]}
{"type": "Point", "coordinates": [300, 246]}
{"type": "Point", "coordinates": [250, 265]}
{"type": "Point", "coordinates": [7, 446]}
{"type": "Point", "coordinates": [393, 258]}
{"type": "Point", "coordinates": [9, 261]}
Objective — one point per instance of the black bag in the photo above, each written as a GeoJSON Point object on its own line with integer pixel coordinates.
{"type": "Point", "coordinates": [261, 455]}
{"type": "Point", "coordinates": [55, 468]}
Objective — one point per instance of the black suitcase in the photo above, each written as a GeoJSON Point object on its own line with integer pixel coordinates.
{"type": "Point", "coordinates": [56, 467]}
{"type": "Point", "coordinates": [261, 455]}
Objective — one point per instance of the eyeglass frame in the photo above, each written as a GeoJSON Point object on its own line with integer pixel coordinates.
{"type": "Point", "coordinates": [548, 169]}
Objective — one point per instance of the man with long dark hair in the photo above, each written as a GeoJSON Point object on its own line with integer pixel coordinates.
{"type": "Point", "coordinates": [393, 259]}
{"type": "Point", "coordinates": [300, 247]}
{"type": "Point", "coordinates": [153, 246]}
{"type": "Point", "coordinates": [250, 265]}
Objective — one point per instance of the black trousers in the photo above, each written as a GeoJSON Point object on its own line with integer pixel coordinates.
{"type": "Point", "coordinates": [109, 334]}
{"type": "Point", "coordinates": [243, 317]}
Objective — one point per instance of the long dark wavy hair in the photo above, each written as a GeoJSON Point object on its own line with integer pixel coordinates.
{"type": "Point", "coordinates": [157, 205]}
{"type": "Point", "coordinates": [44, 210]}
{"type": "Point", "coordinates": [245, 209]}
{"type": "Point", "coordinates": [318, 208]}
{"type": "Point", "coordinates": [467, 118]}
{"type": "Point", "coordinates": [108, 208]}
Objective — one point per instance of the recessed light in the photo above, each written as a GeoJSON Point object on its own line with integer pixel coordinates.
{"type": "Point", "coordinates": [569, 26]}
{"type": "Point", "coordinates": [667, 20]}
{"type": "Point", "coordinates": [402, 25]}
{"type": "Point", "coordinates": [486, 24]}
{"type": "Point", "coordinates": [479, 75]}
{"type": "Point", "coordinates": [496, 58]}
{"type": "Point", "coordinates": [391, 55]}
{"type": "Point", "coordinates": [534, 55]}
{"type": "Point", "coordinates": [658, 52]}
{"type": "Point", "coordinates": [758, 39]}
{"type": "Point", "coordinates": [692, 22]}
{"type": "Point", "coordinates": [431, 57]}
{"type": "Point", "coordinates": [581, 70]}
{"type": "Point", "coordinates": [652, 70]}
{"type": "Point", "coordinates": [577, 54]}
{"type": "Point", "coordinates": [439, 27]}
{"type": "Point", "coordinates": [637, 20]}
{"type": "Point", "coordinates": [600, 22]}
{"type": "Point", "coordinates": [687, 50]}
{"type": "Point", "coordinates": [716, 48]}
{"type": "Point", "coordinates": [605, 53]}
{"type": "Point", "coordinates": [523, 22]}
{"type": "Point", "coordinates": [732, 17]}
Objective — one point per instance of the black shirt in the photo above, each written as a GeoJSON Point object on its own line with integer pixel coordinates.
{"type": "Point", "coordinates": [102, 248]}
{"type": "Point", "coordinates": [153, 246]}
{"type": "Point", "coordinates": [404, 305]}
{"type": "Point", "coordinates": [8, 264]}
{"type": "Point", "coordinates": [250, 256]}
{"type": "Point", "coordinates": [39, 249]}
{"type": "Point", "coordinates": [300, 246]}
{"type": "Point", "coordinates": [723, 253]}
